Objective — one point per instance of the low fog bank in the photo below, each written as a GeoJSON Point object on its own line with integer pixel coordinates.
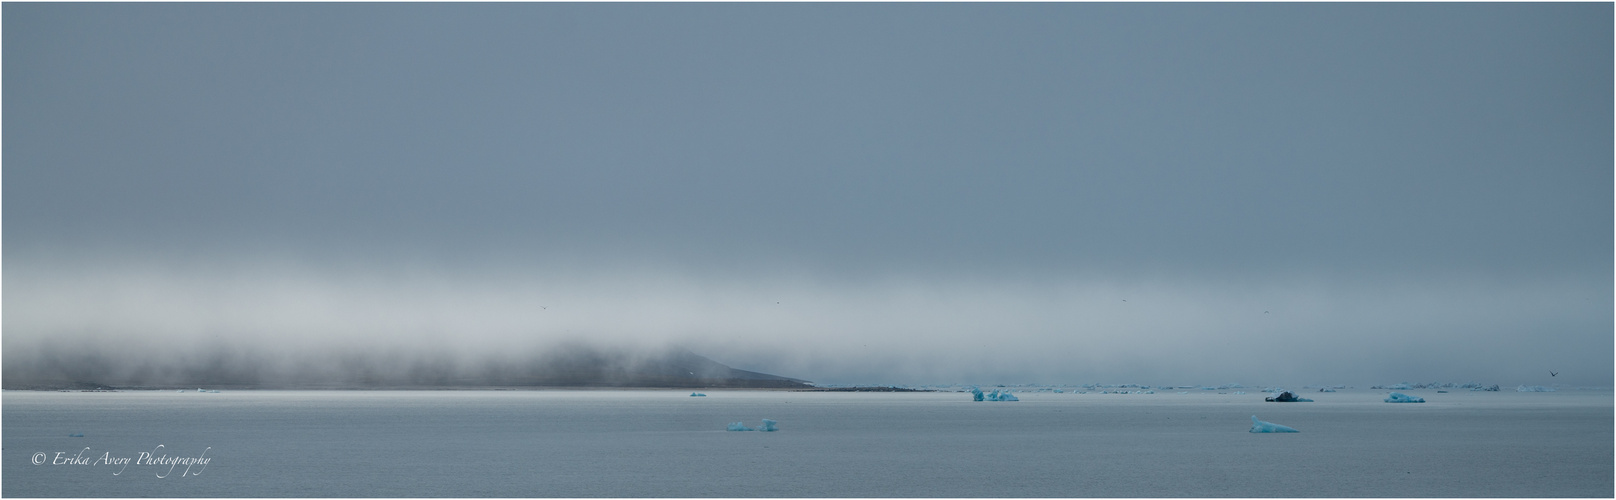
{"type": "Point", "coordinates": [146, 324]}
{"type": "Point", "coordinates": [56, 365]}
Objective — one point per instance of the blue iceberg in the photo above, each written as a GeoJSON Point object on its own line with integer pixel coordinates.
{"type": "Point", "coordinates": [737, 426]}
{"type": "Point", "coordinates": [977, 395]}
{"type": "Point", "coordinates": [1398, 397]}
{"type": "Point", "coordinates": [1258, 426]}
{"type": "Point", "coordinates": [768, 426]}
{"type": "Point", "coordinates": [697, 395]}
{"type": "Point", "coordinates": [75, 435]}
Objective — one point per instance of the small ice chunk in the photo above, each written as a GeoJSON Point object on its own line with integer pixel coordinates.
{"type": "Point", "coordinates": [1398, 397]}
{"type": "Point", "coordinates": [768, 426]}
{"type": "Point", "coordinates": [75, 435]}
{"type": "Point", "coordinates": [1533, 388]}
{"type": "Point", "coordinates": [697, 395]}
{"type": "Point", "coordinates": [737, 426]}
{"type": "Point", "coordinates": [1259, 426]}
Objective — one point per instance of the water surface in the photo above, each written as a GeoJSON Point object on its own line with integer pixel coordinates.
{"type": "Point", "coordinates": [656, 443]}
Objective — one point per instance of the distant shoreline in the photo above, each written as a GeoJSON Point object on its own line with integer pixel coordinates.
{"type": "Point", "coordinates": [482, 388]}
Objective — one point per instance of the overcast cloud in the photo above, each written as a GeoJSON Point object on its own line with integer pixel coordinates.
{"type": "Point", "coordinates": [844, 193]}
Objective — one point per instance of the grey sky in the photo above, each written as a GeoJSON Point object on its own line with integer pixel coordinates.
{"type": "Point", "coordinates": [940, 180]}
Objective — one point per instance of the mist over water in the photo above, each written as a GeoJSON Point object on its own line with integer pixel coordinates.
{"type": "Point", "coordinates": [387, 324]}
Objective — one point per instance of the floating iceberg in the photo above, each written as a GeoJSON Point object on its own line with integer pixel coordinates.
{"type": "Point", "coordinates": [75, 435]}
{"type": "Point", "coordinates": [1534, 388]}
{"type": "Point", "coordinates": [768, 426]}
{"type": "Point", "coordinates": [1259, 426]}
{"type": "Point", "coordinates": [1398, 397]}
{"type": "Point", "coordinates": [977, 395]}
{"type": "Point", "coordinates": [1287, 397]}
{"type": "Point", "coordinates": [697, 395]}
{"type": "Point", "coordinates": [737, 426]}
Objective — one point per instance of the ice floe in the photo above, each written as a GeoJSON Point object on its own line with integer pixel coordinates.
{"type": "Point", "coordinates": [768, 426]}
{"type": "Point", "coordinates": [1398, 397]}
{"type": "Point", "coordinates": [1258, 426]}
{"type": "Point", "coordinates": [1534, 388]}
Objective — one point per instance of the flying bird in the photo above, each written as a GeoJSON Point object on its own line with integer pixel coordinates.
{"type": "Point", "coordinates": [1552, 373]}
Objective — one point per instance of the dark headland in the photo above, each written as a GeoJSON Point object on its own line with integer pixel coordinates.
{"type": "Point", "coordinates": [573, 366]}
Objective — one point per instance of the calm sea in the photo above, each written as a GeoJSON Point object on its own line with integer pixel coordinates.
{"type": "Point", "coordinates": [562, 443]}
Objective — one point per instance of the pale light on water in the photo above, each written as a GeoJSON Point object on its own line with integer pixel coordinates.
{"type": "Point", "coordinates": [664, 443]}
